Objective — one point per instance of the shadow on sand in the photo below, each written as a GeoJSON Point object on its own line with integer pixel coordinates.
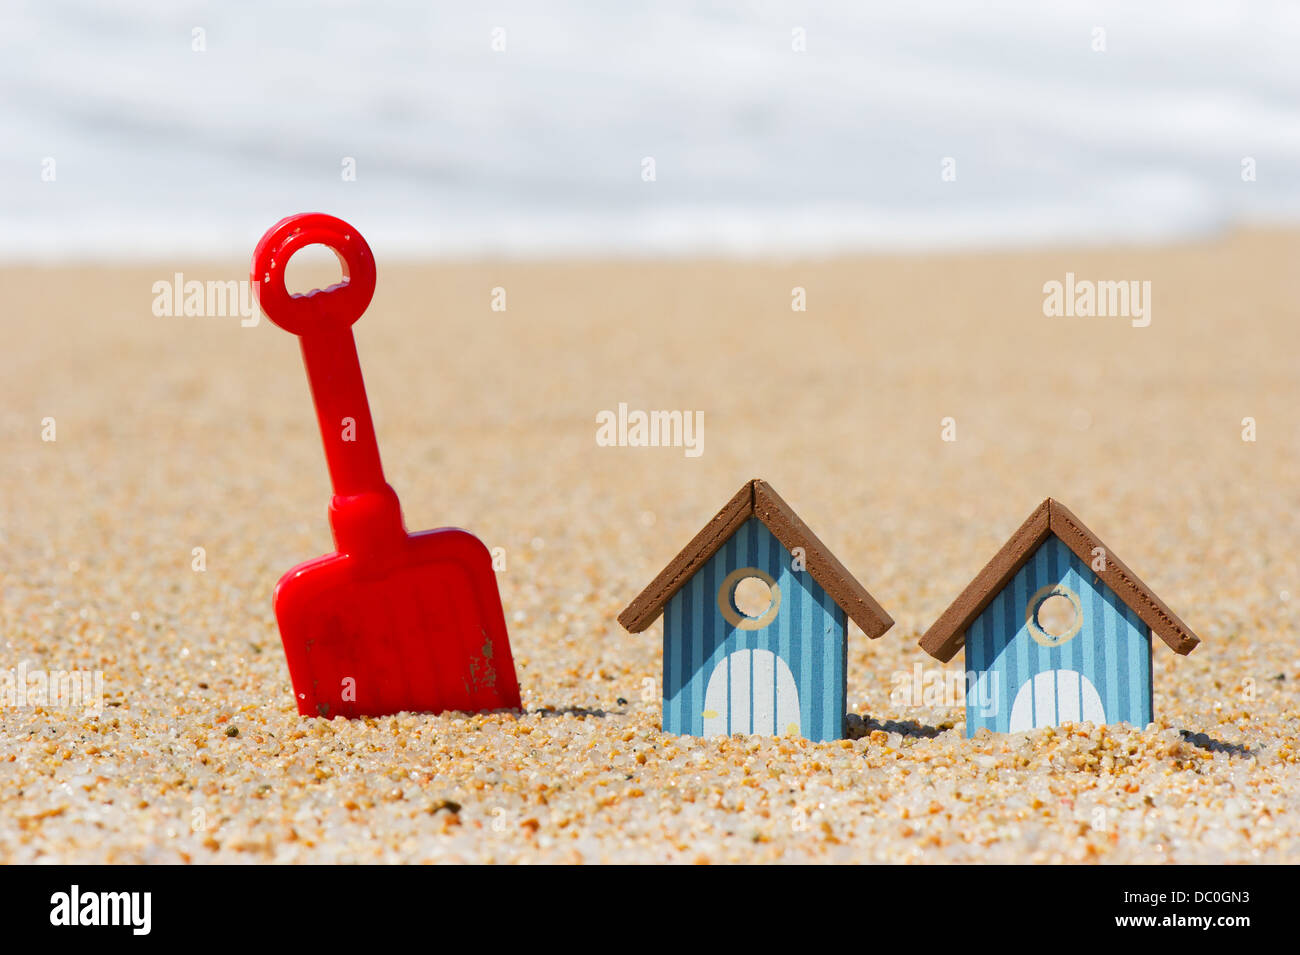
{"type": "Point", "coordinates": [1212, 745]}
{"type": "Point", "coordinates": [864, 725]}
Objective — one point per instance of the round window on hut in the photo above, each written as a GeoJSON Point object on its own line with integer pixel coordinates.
{"type": "Point", "coordinates": [749, 598]}
{"type": "Point", "coordinates": [1054, 615]}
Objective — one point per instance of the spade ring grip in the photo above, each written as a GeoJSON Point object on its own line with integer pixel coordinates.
{"type": "Point", "coordinates": [329, 309]}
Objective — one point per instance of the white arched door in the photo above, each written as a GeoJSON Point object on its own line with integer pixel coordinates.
{"type": "Point", "coordinates": [751, 691]}
{"type": "Point", "coordinates": [1056, 696]}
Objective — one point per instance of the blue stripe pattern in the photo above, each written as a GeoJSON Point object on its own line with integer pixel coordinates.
{"type": "Point", "coordinates": [809, 634]}
{"type": "Point", "coordinates": [1112, 649]}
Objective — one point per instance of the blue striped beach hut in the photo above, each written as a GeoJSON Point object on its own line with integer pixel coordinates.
{"type": "Point", "coordinates": [1056, 629]}
{"type": "Point", "coordinates": [756, 614]}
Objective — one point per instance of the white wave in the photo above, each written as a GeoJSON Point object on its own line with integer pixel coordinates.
{"type": "Point", "coordinates": [461, 150]}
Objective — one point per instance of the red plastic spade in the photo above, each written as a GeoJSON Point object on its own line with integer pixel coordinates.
{"type": "Point", "coordinates": [392, 621]}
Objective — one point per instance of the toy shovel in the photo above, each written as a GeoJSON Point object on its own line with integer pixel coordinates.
{"type": "Point", "coordinates": [392, 621]}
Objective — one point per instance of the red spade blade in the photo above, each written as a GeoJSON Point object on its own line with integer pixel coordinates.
{"type": "Point", "coordinates": [392, 621]}
{"type": "Point", "coordinates": [428, 634]}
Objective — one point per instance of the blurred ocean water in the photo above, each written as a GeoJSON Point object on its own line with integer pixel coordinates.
{"type": "Point", "coordinates": [138, 129]}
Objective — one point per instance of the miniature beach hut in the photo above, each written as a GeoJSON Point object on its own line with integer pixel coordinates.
{"type": "Point", "coordinates": [774, 663]}
{"type": "Point", "coordinates": [1056, 629]}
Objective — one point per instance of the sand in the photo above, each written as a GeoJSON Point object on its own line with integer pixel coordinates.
{"type": "Point", "coordinates": [176, 433]}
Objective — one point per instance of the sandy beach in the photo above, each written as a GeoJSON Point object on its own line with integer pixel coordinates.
{"type": "Point", "coordinates": [173, 433]}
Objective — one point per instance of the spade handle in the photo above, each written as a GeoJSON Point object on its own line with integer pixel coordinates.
{"type": "Point", "coordinates": [322, 319]}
